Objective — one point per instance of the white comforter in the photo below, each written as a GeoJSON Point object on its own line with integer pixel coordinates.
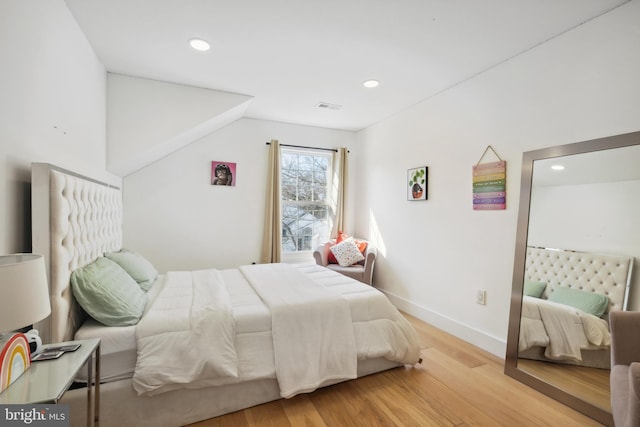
{"type": "Point", "coordinates": [563, 330]}
{"type": "Point", "coordinates": [305, 317]}
{"type": "Point", "coordinates": [186, 339]}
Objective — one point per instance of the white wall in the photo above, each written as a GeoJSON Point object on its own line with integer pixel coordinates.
{"type": "Point", "coordinates": [52, 106]}
{"type": "Point", "coordinates": [579, 86]}
{"type": "Point", "coordinates": [176, 218]}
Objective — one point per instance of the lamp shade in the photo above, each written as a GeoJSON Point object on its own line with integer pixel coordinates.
{"type": "Point", "coordinates": [24, 292]}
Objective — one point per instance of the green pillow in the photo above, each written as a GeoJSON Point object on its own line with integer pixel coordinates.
{"type": "Point", "coordinates": [108, 294]}
{"type": "Point", "coordinates": [589, 302]}
{"type": "Point", "coordinates": [136, 265]}
{"type": "Point", "coordinates": [534, 289]}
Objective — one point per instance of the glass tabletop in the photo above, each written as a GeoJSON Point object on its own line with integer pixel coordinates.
{"type": "Point", "coordinates": [46, 381]}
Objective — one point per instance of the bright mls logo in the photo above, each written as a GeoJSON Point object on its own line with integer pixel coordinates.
{"type": "Point", "coordinates": [34, 415]}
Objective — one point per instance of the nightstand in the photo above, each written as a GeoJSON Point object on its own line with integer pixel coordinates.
{"type": "Point", "coordinates": [47, 381]}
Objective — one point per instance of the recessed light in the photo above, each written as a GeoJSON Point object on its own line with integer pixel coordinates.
{"type": "Point", "coordinates": [371, 83]}
{"type": "Point", "coordinates": [199, 44]}
{"type": "Point", "coordinates": [557, 167]}
{"type": "Point", "coordinates": [328, 106]}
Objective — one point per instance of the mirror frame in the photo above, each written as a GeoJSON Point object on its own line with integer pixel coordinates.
{"type": "Point", "coordinates": [511, 360]}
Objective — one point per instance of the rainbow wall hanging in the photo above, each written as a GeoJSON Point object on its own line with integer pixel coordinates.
{"type": "Point", "coordinates": [490, 184]}
{"type": "Point", "coordinates": [15, 359]}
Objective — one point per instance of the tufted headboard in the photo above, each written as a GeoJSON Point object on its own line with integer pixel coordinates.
{"type": "Point", "coordinates": [609, 275]}
{"type": "Point", "coordinates": [74, 221]}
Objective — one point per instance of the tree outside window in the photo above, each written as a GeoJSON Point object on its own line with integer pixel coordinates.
{"type": "Point", "coordinates": [305, 206]}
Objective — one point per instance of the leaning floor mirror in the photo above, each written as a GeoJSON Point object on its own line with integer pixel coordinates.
{"type": "Point", "coordinates": [577, 259]}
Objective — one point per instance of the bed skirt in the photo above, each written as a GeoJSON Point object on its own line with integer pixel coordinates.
{"type": "Point", "coordinates": [121, 406]}
{"type": "Point", "coordinates": [590, 358]}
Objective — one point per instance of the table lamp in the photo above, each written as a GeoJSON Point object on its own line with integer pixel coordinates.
{"type": "Point", "coordinates": [24, 300]}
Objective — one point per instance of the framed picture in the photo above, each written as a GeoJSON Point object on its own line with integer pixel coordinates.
{"type": "Point", "coordinates": [223, 173]}
{"type": "Point", "coordinates": [417, 183]}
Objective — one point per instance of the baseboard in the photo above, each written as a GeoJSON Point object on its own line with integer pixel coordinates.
{"type": "Point", "coordinates": [491, 344]}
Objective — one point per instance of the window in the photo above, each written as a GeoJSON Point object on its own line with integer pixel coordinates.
{"type": "Point", "coordinates": [306, 213]}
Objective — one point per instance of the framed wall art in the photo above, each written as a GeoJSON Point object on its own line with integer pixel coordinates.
{"type": "Point", "coordinates": [417, 183]}
{"type": "Point", "coordinates": [223, 173]}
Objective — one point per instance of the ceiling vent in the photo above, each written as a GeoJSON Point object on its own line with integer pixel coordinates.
{"type": "Point", "coordinates": [327, 106]}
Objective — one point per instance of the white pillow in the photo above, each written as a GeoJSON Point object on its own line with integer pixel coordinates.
{"type": "Point", "coordinates": [347, 252]}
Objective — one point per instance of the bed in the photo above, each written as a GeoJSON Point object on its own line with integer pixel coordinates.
{"type": "Point", "coordinates": [257, 357]}
{"type": "Point", "coordinates": [567, 298]}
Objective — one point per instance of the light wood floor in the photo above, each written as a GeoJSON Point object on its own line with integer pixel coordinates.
{"type": "Point", "coordinates": [589, 384]}
{"type": "Point", "coordinates": [456, 385]}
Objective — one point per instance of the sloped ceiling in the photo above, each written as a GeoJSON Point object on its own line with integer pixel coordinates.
{"type": "Point", "coordinates": [290, 55]}
{"type": "Point", "coordinates": [149, 119]}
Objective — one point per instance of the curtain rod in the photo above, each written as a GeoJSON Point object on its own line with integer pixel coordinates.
{"type": "Point", "coordinates": [302, 146]}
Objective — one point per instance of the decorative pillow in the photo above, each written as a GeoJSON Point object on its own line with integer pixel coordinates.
{"type": "Point", "coordinates": [108, 294]}
{"type": "Point", "coordinates": [534, 289]}
{"type": "Point", "coordinates": [341, 237]}
{"type": "Point", "coordinates": [136, 266]}
{"type": "Point", "coordinates": [362, 245]}
{"type": "Point", "coordinates": [588, 302]}
{"type": "Point", "coordinates": [347, 252]}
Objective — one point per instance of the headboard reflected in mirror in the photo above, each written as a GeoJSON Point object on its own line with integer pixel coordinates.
{"type": "Point", "coordinates": [568, 296]}
{"type": "Point", "coordinates": [75, 220]}
{"type": "Point", "coordinates": [608, 275]}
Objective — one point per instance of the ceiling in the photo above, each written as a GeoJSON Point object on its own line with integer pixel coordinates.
{"type": "Point", "coordinates": [291, 55]}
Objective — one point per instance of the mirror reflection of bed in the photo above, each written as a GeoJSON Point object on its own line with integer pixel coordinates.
{"type": "Point", "coordinates": [566, 303]}
{"type": "Point", "coordinates": [567, 298]}
{"type": "Point", "coordinates": [570, 219]}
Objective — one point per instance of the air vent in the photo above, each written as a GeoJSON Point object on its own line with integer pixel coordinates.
{"type": "Point", "coordinates": [327, 106]}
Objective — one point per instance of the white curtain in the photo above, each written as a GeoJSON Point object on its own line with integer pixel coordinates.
{"type": "Point", "coordinates": [272, 237]}
{"type": "Point", "coordinates": [340, 183]}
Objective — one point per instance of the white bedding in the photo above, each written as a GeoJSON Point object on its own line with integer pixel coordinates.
{"type": "Point", "coordinates": [313, 337]}
{"type": "Point", "coordinates": [118, 348]}
{"type": "Point", "coordinates": [378, 330]}
{"type": "Point", "coordinates": [564, 331]}
{"type": "Point", "coordinates": [187, 337]}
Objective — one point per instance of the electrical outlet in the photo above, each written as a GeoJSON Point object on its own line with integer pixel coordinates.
{"type": "Point", "coordinates": [481, 297]}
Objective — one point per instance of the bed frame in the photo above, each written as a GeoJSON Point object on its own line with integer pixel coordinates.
{"type": "Point", "coordinates": [75, 220]}
{"type": "Point", "coordinates": [609, 275]}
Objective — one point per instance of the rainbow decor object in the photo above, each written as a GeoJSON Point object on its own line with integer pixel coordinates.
{"type": "Point", "coordinates": [15, 359]}
{"type": "Point", "coordinates": [490, 186]}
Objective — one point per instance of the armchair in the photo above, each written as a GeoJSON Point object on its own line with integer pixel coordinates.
{"type": "Point", "coordinates": [625, 368]}
{"type": "Point", "coordinates": [362, 271]}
